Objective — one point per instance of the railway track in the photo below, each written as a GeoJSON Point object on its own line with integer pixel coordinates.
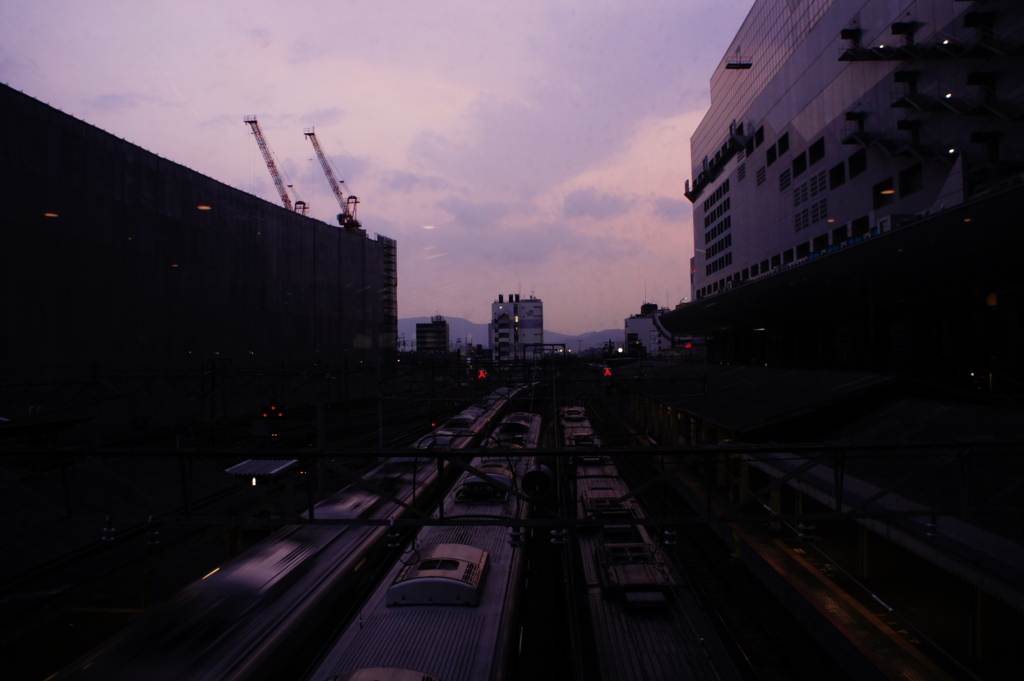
{"type": "Point", "coordinates": [773, 644]}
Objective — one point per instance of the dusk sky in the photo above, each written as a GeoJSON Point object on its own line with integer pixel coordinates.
{"type": "Point", "coordinates": [509, 147]}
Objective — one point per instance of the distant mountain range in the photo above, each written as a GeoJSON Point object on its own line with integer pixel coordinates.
{"type": "Point", "coordinates": [476, 334]}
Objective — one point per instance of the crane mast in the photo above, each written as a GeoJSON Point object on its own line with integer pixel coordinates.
{"type": "Point", "coordinates": [347, 216]}
{"type": "Point", "coordinates": [268, 157]}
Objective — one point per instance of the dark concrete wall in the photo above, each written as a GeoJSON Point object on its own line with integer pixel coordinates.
{"type": "Point", "coordinates": [132, 275]}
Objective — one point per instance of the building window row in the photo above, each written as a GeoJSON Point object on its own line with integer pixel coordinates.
{"type": "Point", "coordinates": [814, 153]}
{"type": "Point", "coordinates": [718, 229]}
{"type": "Point", "coordinates": [808, 190]}
{"type": "Point", "coordinates": [724, 261]}
{"type": "Point", "coordinates": [716, 213]}
{"type": "Point", "coordinates": [717, 247]}
{"type": "Point", "coordinates": [762, 174]}
{"type": "Point", "coordinates": [741, 172]}
{"type": "Point", "coordinates": [823, 243]}
{"type": "Point", "coordinates": [785, 179]}
{"type": "Point", "coordinates": [817, 212]}
{"type": "Point", "coordinates": [718, 194]}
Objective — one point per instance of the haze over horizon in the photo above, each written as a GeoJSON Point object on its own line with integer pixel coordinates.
{"type": "Point", "coordinates": [539, 147]}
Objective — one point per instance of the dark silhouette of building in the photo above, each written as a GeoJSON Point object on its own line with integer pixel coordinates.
{"type": "Point", "coordinates": [432, 337]}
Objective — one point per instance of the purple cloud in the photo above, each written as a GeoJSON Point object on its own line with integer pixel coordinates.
{"type": "Point", "coordinates": [402, 181]}
{"type": "Point", "coordinates": [589, 203]}
{"type": "Point", "coordinates": [672, 210]}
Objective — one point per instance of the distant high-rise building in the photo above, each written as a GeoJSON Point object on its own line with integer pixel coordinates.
{"type": "Point", "coordinates": [515, 326]}
{"type": "Point", "coordinates": [432, 337]}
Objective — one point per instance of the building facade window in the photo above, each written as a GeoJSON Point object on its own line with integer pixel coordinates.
{"type": "Point", "coordinates": [818, 184]}
{"type": "Point", "coordinates": [762, 175]}
{"type": "Point", "coordinates": [783, 144]}
{"type": "Point", "coordinates": [858, 163]}
{"type": "Point", "coordinates": [911, 180]}
{"type": "Point", "coordinates": [799, 164]}
{"type": "Point", "coordinates": [883, 193]}
{"type": "Point", "coordinates": [819, 211]}
{"type": "Point", "coordinates": [816, 152]}
{"type": "Point", "coordinates": [860, 226]}
{"type": "Point", "coordinates": [801, 219]}
{"type": "Point", "coordinates": [837, 175]}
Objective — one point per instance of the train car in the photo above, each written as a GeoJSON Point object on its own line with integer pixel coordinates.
{"type": "Point", "coordinates": [518, 430]}
{"type": "Point", "coordinates": [576, 428]}
{"type": "Point", "coordinates": [645, 622]}
{"type": "Point", "coordinates": [469, 427]}
{"type": "Point", "coordinates": [230, 623]}
{"type": "Point", "coordinates": [447, 610]}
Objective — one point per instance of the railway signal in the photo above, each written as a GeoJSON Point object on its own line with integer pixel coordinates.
{"type": "Point", "coordinates": [267, 424]}
{"type": "Point", "coordinates": [273, 411]}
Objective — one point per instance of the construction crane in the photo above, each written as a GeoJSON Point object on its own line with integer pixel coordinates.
{"type": "Point", "coordinates": [268, 157]}
{"type": "Point", "coordinates": [347, 216]}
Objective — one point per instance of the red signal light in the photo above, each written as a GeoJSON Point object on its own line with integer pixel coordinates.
{"type": "Point", "coordinates": [481, 374]}
{"type": "Point", "coordinates": [264, 416]}
{"type": "Point", "coordinates": [433, 425]}
{"type": "Point", "coordinates": [280, 413]}
{"type": "Point", "coordinates": [607, 371]}
{"type": "Point", "coordinates": [689, 345]}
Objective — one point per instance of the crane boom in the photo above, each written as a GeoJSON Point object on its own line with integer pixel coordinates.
{"type": "Point", "coordinates": [328, 171]}
{"type": "Point", "coordinates": [347, 216]}
{"type": "Point", "coordinates": [269, 158]}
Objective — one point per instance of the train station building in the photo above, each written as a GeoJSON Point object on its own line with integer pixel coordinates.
{"type": "Point", "coordinates": [852, 181]}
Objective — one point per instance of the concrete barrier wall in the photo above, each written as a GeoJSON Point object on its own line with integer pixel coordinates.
{"type": "Point", "coordinates": [131, 274]}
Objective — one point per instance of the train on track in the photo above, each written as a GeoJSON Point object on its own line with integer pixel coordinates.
{"type": "Point", "coordinates": [447, 611]}
{"type": "Point", "coordinates": [233, 621]}
{"type": "Point", "coordinates": [645, 622]}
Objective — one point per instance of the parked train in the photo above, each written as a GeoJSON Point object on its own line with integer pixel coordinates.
{"type": "Point", "coordinates": [469, 427]}
{"type": "Point", "coordinates": [228, 624]}
{"type": "Point", "coordinates": [448, 610]}
{"type": "Point", "coordinates": [576, 428]}
{"type": "Point", "coordinates": [644, 620]}
{"type": "Point", "coordinates": [519, 430]}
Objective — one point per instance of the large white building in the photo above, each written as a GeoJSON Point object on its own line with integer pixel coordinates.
{"type": "Point", "coordinates": [644, 334]}
{"type": "Point", "coordinates": [836, 121]}
{"type": "Point", "coordinates": [516, 328]}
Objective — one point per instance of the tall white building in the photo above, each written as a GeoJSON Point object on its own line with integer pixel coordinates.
{"type": "Point", "coordinates": [515, 326]}
{"type": "Point", "coordinates": [836, 121]}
